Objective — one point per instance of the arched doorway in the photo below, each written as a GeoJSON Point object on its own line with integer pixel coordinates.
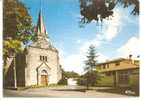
{"type": "Point", "coordinates": [44, 78]}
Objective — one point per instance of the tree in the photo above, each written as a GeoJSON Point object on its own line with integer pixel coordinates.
{"type": "Point", "coordinates": [89, 78]}
{"type": "Point", "coordinates": [17, 27]}
{"type": "Point", "coordinates": [90, 63]}
{"type": "Point", "coordinates": [63, 81]}
{"type": "Point", "coordinates": [71, 74]}
{"type": "Point", "coordinates": [101, 9]}
{"type": "Point", "coordinates": [91, 59]}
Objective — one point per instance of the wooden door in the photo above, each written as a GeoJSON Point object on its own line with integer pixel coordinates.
{"type": "Point", "coordinates": [44, 80]}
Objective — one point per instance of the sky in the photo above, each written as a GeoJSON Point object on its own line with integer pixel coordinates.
{"type": "Point", "coordinates": [117, 37]}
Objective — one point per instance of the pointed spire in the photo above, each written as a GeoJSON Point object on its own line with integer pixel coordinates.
{"type": "Point", "coordinates": [41, 39]}
{"type": "Point", "coordinates": [41, 31]}
{"type": "Point", "coordinates": [40, 24]}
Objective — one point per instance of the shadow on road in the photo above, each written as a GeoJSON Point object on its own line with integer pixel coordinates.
{"type": "Point", "coordinates": [79, 90]}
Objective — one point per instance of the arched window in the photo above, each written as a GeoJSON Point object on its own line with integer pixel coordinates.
{"type": "Point", "coordinates": [44, 72]}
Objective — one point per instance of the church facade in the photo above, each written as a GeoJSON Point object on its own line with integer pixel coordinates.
{"type": "Point", "coordinates": [39, 63]}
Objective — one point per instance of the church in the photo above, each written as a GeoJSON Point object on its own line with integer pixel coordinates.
{"type": "Point", "coordinates": [38, 64]}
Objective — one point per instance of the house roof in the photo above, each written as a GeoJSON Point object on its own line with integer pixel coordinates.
{"type": "Point", "coordinates": [129, 64]}
{"type": "Point", "coordinates": [114, 60]}
{"type": "Point", "coordinates": [111, 61]}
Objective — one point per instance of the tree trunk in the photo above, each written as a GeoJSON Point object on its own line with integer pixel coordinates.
{"type": "Point", "coordinates": [7, 65]}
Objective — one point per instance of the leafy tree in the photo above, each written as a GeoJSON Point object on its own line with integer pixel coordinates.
{"type": "Point", "coordinates": [63, 81]}
{"type": "Point", "coordinates": [101, 9]}
{"type": "Point", "coordinates": [71, 74]}
{"type": "Point", "coordinates": [17, 27]}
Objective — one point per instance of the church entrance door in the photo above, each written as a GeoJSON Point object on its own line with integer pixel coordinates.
{"type": "Point", "coordinates": [44, 80]}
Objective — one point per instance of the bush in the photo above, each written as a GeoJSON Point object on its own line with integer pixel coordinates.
{"type": "Point", "coordinates": [81, 81]}
{"type": "Point", "coordinates": [105, 81]}
{"type": "Point", "coordinates": [89, 79]}
{"type": "Point", "coordinates": [63, 81]}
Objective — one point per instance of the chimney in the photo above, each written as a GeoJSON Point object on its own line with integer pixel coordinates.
{"type": "Point", "coordinates": [130, 57]}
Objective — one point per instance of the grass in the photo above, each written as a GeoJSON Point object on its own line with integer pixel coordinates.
{"type": "Point", "coordinates": [18, 88]}
{"type": "Point", "coordinates": [33, 86]}
{"type": "Point", "coordinates": [47, 86]}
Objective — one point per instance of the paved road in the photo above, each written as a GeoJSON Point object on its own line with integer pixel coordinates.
{"type": "Point", "coordinates": [62, 91]}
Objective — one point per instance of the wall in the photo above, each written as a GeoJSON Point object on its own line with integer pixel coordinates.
{"type": "Point", "coordinates": [108, 80]}
{"type": "Point", "coordinates": [33, 62]}
{"type": "Point", "coordinates": [134, 78]}
{"type": "Point", "coordinates": [105, 80]}
{"type": "Point", "coordinates": [20, 69]}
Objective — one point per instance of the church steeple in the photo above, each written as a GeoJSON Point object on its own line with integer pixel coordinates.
{"type": "Point", "coordinates": [41, 37]}
{"type": "Point", "coordinates": [41, 30]}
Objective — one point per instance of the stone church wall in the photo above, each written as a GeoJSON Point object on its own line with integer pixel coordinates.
{"type": "Point", "coordinates": [33, 62]}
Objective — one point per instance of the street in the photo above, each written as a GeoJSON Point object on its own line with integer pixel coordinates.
{"type": "Point", "coordinates": [59, 91]}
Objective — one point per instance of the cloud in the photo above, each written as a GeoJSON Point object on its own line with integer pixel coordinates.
{"type": "Point", "coordinates": [110, 30]}
{"type": "Point", "coordinates": [71, 62]}
{"type": "Point", "coordinates": [74, 62]}
{"type": "Point", "coordinates": [112, 27]}
{"type": "Point", "coordinates": [101, 57]}
{"type": "Point", "coordinates": [132, 46]}
{"type": "Point", "coordinates": [78, 41]}
{"type": "Point", "coordinates": [84, 47]}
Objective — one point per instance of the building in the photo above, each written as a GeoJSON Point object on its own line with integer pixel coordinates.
{"type": "Point", "coordinates": [119, 72]}
{"type": "Point", "coordinates": [38, 64]}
